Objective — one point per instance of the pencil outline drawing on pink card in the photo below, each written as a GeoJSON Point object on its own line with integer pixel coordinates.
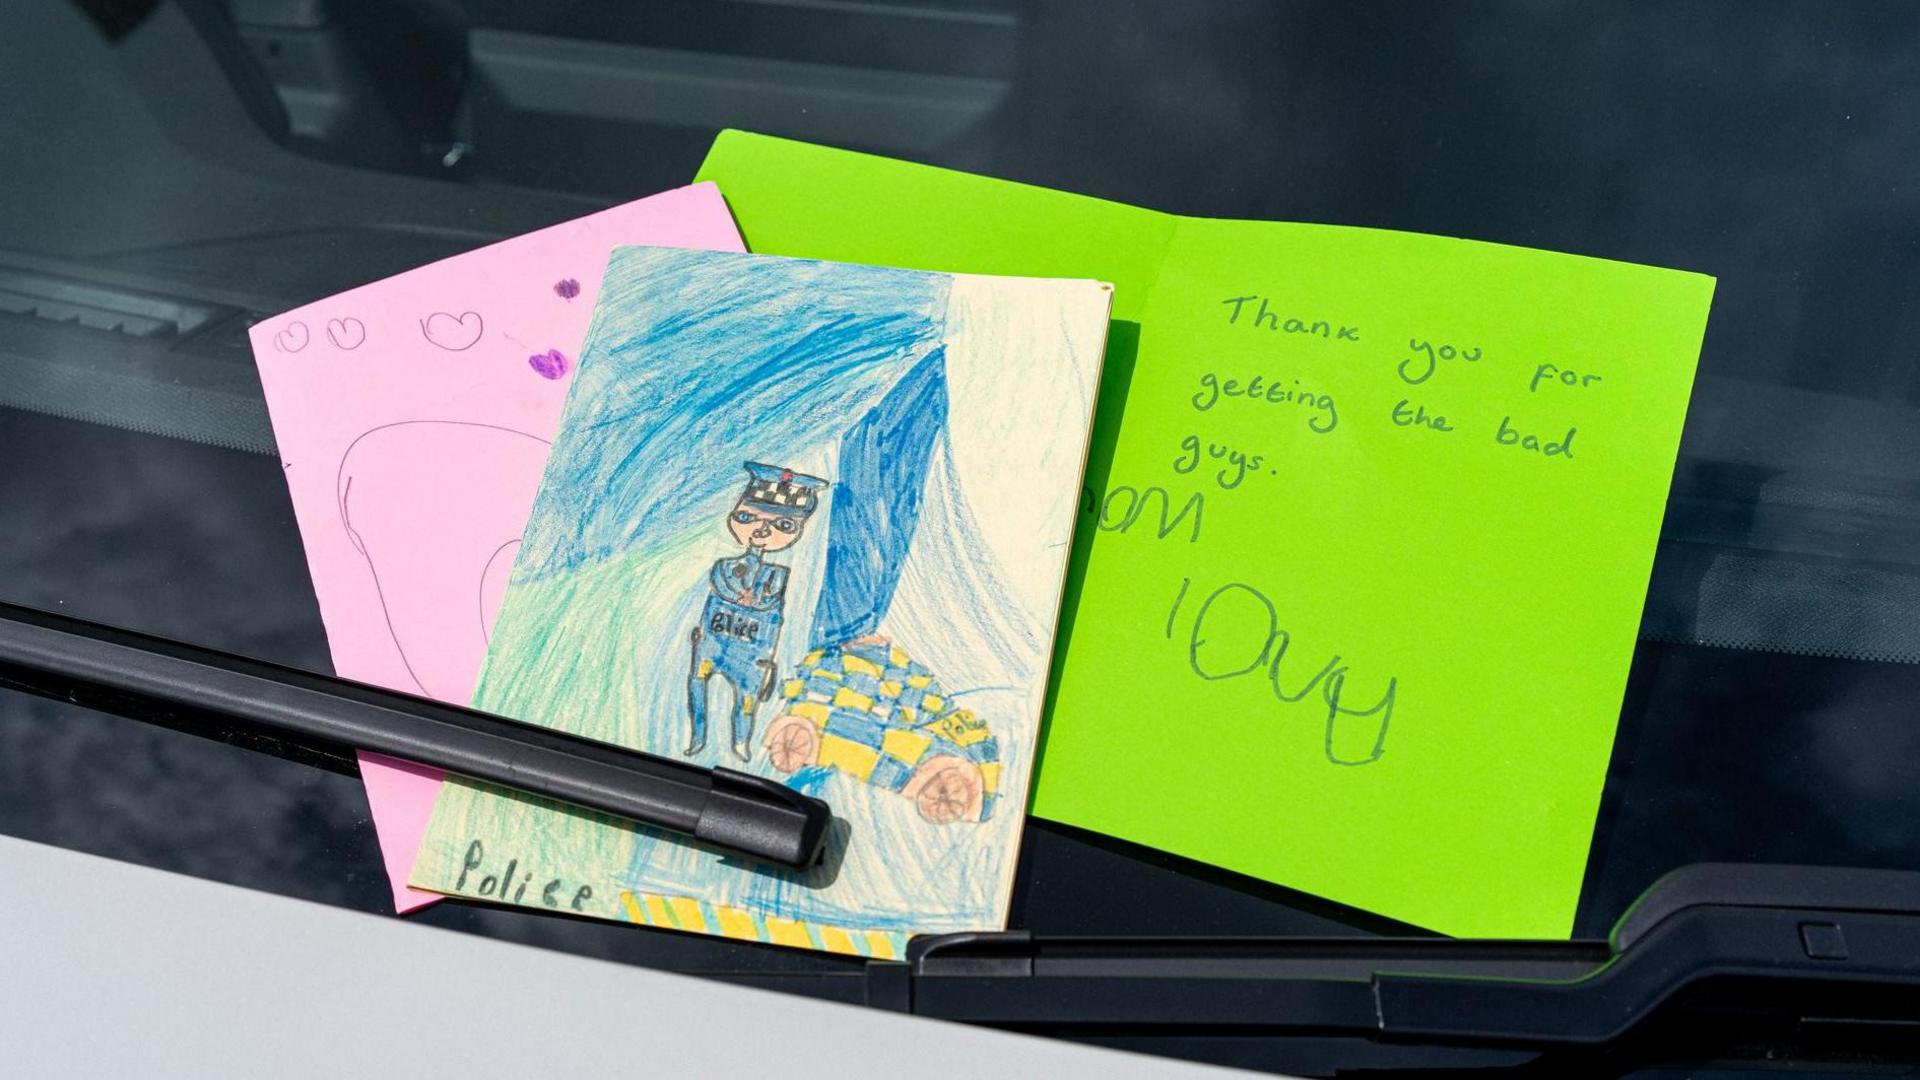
{"type": "Point", "coordinates": [403, 463]}
{"type": "Point", "coordinates": [465, 331]}
{"type": "Point", "coordinates": [347, 333]}
{"type": "Point", "coordinates": [412, 416]}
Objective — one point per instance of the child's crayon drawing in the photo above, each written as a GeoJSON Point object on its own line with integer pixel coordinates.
{"type": "Point", "coordinates": [807, 520]}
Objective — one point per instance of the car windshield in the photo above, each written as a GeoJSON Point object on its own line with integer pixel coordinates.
{"type": "Point", "coordinates": [176, 170]}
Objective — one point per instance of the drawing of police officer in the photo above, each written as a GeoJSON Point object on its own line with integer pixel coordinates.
{"type": "Point", "coordinates": [740, 624]}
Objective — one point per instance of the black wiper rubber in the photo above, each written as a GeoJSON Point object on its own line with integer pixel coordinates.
{"type": "Point", "coordinates": [137, 675]}
{"type": "Point", "coordinates": [1795, 936]}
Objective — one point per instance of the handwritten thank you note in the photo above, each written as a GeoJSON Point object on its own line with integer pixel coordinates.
{"type": "Point", "coordinates": [1367, 531]}
{"type": "Point", "coordinates": [1369, 561]}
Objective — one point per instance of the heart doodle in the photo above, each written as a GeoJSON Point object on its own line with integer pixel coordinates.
{"type": "Point", "coordinates": [550, 364]}
{"type": "Point", "coordinates": [455, 333]}
{"type": "Point", "coordinates": [292, 337]}
{"type": "Point", "coordinates": [347, 333]}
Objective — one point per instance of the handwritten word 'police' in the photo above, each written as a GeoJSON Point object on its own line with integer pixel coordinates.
{"type": "Point", "coordinates": [1236, 632]}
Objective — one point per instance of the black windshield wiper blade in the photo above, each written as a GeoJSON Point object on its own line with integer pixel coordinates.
{"type": "Point", "coordinates": [146, 677]}
{"type": "Point", "coordinates": [1811, 929]}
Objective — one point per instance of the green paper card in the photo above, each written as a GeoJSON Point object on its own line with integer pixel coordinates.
{"type": "Point", "coordinates": [1367, 532]}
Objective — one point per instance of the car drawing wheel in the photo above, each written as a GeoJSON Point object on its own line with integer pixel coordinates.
{"type": "Point", "coordinates": [948, 790]}
{"type": "Point", "coordinates": [792, 742]}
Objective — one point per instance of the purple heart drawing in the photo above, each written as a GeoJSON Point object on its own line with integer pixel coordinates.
{"type": "Point", "coordinates": [455, 333]}
{"type": "Point", "coordinates": [347, 333]}
{"type": "Point", "coordinates": [550, 364]}
{"type": "Point", "coordinates": [292, 337]}
{"type": "Point", "coordinates": [566, 289]}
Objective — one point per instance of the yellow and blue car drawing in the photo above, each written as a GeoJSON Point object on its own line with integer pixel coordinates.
{"type": "Point", "coordinates": [867, 709]}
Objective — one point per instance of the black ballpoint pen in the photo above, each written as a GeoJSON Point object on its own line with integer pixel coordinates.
{"type": "Point", "coordinates": [120, 671]}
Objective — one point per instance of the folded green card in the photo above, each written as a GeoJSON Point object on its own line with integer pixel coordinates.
{"type": "Point", "coordinates": [1368, 526]}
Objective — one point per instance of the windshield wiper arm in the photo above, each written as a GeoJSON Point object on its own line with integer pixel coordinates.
{"type": "Point", "coordinates": [1801, 931]}
{"type": "Point", "coordinates": [146, 677]}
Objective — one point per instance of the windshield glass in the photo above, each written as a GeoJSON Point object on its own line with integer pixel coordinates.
{"type": "Point", "coordinates": [179, 169]}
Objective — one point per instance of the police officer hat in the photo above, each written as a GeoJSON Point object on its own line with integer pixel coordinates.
{"type": "Point", "coordinates": [781, 491]}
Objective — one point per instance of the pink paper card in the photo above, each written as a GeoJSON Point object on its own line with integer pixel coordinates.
{"type": "Point", "coordinates": [413, 417]}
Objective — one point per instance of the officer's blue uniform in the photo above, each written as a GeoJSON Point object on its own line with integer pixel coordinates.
{"type": "Point", "coordinates": [738, 629]}
{"type": "Point", "coordinates": [740, 623]}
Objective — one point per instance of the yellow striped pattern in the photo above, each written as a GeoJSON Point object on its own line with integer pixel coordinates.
{"type": "Point", "coordinates": [880, 945]}
{"type": "Point", "coordinates": [735, 923]}
{"type": "Point", "coordinates": [632, 908]}
{"type": "Point", "coordinates": [686, 913]}
{"type": "Point", "coordinates": [656, 909]}
{"type": "Point", "coordinates": [790, 932]}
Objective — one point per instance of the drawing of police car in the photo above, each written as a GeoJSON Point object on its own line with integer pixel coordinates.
{"type": "Point", "coordinates": [867, 709]}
